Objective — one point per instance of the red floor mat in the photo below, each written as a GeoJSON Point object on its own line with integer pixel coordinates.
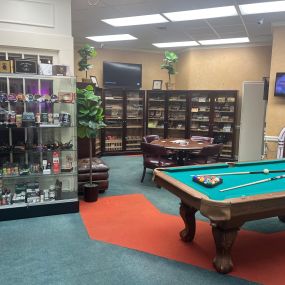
{"type": "Point", "coordinates": [132, 221]}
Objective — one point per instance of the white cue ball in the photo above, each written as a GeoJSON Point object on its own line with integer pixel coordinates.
{"type": "Point", "coordinates": [265, 171]}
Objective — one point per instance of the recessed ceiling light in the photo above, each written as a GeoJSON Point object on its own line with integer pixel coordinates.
{"type": "Point", "coordinates": [217, 12]}
{"type": "Point", "coordinates": [262, 7]}
{"type": "Point", "coordinates": [112, 38]}
{"type": "Point", "coordinates": [224, 41]}
{"type": "Point", "coordinates": [176, 44]}
{"type": "Point", "coordinates": [136, 20]}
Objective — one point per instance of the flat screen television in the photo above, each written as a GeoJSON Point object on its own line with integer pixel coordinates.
{"type": "Point", "coordinates": [122, 75]}
{"type": "Point", "coordinates": [279, 89]}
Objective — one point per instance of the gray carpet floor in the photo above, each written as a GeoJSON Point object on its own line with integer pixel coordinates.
{"type": "Point", "coordinates": [56, 250]}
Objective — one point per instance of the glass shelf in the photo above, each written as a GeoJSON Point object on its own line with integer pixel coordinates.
{"type": "Point", "coordinates": [37, 127]}
{"type": "Point", "coordinates": [35, 151]}
{"type": "Point", "coordinates": [35, 76]}
{"type": "Point", "coordinates": [34, 102]}
{"type": "Point", "coordinates": [19, 205]}
{"type": "Point", "coordinates": [38, 175]}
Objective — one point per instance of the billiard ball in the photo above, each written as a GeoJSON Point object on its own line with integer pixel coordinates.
{"type": "Point", "coordinates": [265, 171]}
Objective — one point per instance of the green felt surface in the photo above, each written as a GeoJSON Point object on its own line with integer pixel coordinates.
{"type": "Point", "coordinates": [184, 175]}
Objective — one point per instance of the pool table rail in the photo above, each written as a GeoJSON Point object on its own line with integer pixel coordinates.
{"type": "Point", "coordinates": [226, 216]}
{"type": "Point", "coordinates": [248, 207]}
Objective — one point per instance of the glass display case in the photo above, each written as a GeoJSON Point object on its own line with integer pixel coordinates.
{"type": "Point", "coordinates": [124, 117]}
{"type": "Point", "coordinates": [38, 146]}
{"type": "Point", "coordinates": [113, 102]}
{"type": "Point", "coordinates": [169, 114]}
{"type": "Point", "coordinates": [224, 121]}
{"type": "Point", "coordinates": [134, 119]}
{"type": "Point", "coordinates": [213, 114]}
{"type": "Point", "coordinates": [156, 105]}
{"type": "Point", "coordinates": [177, 110]}
{"type": "Point", "coordinates": [200, 113]}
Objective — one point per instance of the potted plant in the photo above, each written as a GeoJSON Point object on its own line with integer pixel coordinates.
{"type": "Point", "coordinates": [87, 52]}
{"type": "Point", "coordinates": [170, 58]}
{"type": "Point", "coordinates": [90, 120]}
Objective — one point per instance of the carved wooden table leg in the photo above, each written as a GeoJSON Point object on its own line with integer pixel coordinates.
{"type": "Point", "coordinates": [224, 240]}
{"type": "Point", "coordinates": [188, 215]}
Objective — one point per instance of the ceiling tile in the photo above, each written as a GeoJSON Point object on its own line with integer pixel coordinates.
{"type": "Point", "coordinates": [87, 16]}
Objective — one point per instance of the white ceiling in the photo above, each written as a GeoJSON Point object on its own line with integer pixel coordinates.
{"type": "Point", "coordinates": [87, 15]}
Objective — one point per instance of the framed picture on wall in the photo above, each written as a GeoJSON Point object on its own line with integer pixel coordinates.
{"type": "Point", "coordinates": [157, 85]}
{"type": "Point", "coordinates": [94, 80]}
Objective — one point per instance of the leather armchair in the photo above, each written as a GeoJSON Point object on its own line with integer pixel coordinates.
{"type": "Point", "coordinates": [154, 156]}
{"type": "Point", "coordinates": [150, 138]}
{"type": "Point", "coordinates": [208, 154]}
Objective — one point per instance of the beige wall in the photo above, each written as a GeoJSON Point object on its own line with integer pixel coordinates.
{"type": "Point", "coordinates": [217, 68]}
{"type": "Point", "coordinates": [200, 69]}
{"type": "Point", "coordinates": [275, 119]}
{"type": "Point", "coordinates": [150, 65]}
{"type": "Point", "coordinates": [222, 68]}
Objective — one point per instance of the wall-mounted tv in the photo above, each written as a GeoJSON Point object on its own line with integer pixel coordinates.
{"type": "Point", "coordinates": [280, 84]}
{"type": "Point", "coordinates": [122, 75]}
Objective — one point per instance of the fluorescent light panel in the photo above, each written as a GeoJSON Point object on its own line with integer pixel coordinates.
{"type": "Point", "coordinates": [217, 12]}
{"type": "Point", "coordinates": [224, 41]}
{"type": "Point", "coordinates": [176, 44]}
{"type": "Point", "coordinates": [262, 7]}
{"type": "Point", "coordinates": [112, 38]}
{"type": "Point", "coordinates": [136, 20]}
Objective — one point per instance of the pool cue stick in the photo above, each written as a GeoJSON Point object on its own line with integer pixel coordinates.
{"type": "Point", "coordinates": [240, 173]}
{"type": "Point", "coordinates": [253, 183]}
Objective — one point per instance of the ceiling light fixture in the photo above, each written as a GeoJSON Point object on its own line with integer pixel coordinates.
{"type": "Point", "coordinates": [224, 41]}
{"type": "Point", "coordinates": [217, 12]}
{"type": "Point", "coordinates": [262, 7]}
{"type": "Point", "coordinates": [176, 44]}
{"type": "Point", "coordinates": [136, 20]}
{"type": "Point", "coordinates": [112, 38]}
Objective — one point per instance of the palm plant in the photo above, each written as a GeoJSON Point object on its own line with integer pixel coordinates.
{"type": "Point", "coordinates": [170, 58]}
{"type": "Point", "coordinates": [90, 118]}
{"type": "Point", "coordinates": [87, 52]}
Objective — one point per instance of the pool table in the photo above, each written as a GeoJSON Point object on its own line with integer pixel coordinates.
{"type": "Point", "coordinates": [227, 210]}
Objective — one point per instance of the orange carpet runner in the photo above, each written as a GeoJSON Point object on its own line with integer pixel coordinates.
{"type": "Point", "coordinates": [132, 221]}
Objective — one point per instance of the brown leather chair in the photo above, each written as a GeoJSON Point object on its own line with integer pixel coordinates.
{"type": "Point", "coordinates": [200, 139]}
{"type": "Point", "coordinates": [150, 138]}
{"type": "Point", "coordinates": [203, 139]}
{"type": "Point", "coordinates": [208, 154]}
{"type": "Point", "coordinates": [154, 156]}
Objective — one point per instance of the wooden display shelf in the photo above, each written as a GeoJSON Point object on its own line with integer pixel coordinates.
{"type": "Point", "coordinates": [223, 132]}
{"type": "Point", "coordinates": [176, 120]}
{"type": "Point", "coordinates": [196, 120]}
{"type": "Point", "coordinates": [199, 130]}
{"type": "Point", "coordinates": [113, 99]}
{"type": "Point", "coordinates": [134, 99]}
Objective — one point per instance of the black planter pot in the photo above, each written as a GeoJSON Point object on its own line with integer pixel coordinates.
{"type": "Point", "coordinates": [91, 192]}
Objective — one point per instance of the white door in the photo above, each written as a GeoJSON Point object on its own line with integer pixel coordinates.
{"type": "Point", "coordinates": [252, 121]}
